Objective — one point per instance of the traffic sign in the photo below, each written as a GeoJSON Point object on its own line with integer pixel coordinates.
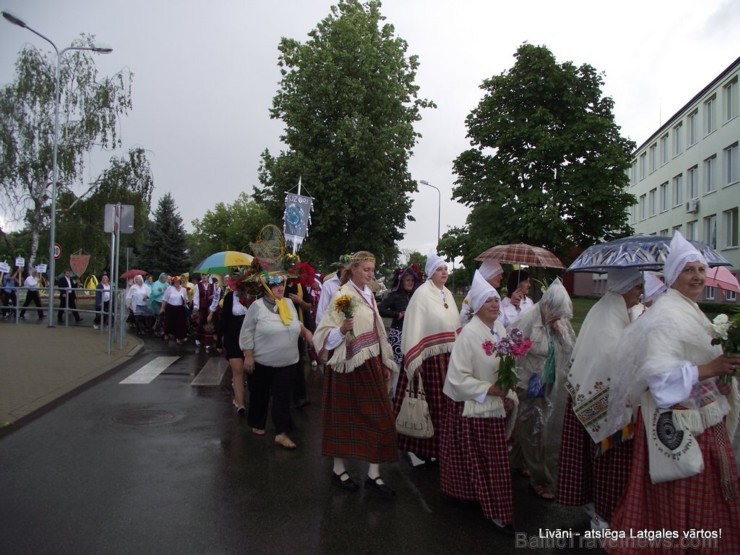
{"type": "Point", "coordinates": [57, 251]}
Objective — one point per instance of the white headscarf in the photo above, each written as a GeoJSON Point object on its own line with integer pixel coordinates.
{"type": "Point", "coordinates": [621, 280]}
{"type": "Point", "coordinates": [680, 253]}
{"type": "Point", "coordinates": [480, 292]}
{"type": "Point", "coordinates": [654, 286]}
{"type": "Point", "coordinates": [490, 269]}
{"type": "Point", "coordinates": [433, 262]}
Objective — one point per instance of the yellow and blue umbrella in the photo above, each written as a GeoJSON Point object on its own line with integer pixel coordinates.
{"type": "Point", "coordinates": [223, 262]}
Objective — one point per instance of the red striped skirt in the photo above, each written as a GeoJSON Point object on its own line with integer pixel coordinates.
{"type": "Point", "coordinates": [680, 505]}
{"type": "Point", "coordinates": [433, 373]}
{"type": "Point", "coordinates": [357, 418]}
{"type": "Point", "coordinates": [474, 462]}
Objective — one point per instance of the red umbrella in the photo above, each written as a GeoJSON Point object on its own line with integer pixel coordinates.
{"type": "Point", "coordinates": [723, 278]}
{"type": "Point", "coordinates": [521, 253]}
{"type": "Point", "coordinates": [133, 272]}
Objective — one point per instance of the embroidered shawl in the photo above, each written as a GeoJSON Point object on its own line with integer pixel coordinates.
{"type": "Point", "coordinates": [429, 328]}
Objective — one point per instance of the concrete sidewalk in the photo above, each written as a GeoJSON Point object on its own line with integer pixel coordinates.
{"type": "Point", "coordinates": [40, 365]}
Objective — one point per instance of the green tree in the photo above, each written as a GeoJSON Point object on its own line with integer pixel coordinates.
{"type": "Point", "coordinates": [165, 247]}
{"type": "Point", "coordinates": [349, 102]}
{"type": "Point", "coordinates": [89, 112]}
{"type": "Point", "coordinates": [547, 164]}
{"type": "Point", "coordinates": [228, 227]}
{"type": "Point", "coordinates": [129, 181]}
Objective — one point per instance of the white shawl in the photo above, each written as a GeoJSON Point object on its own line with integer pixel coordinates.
{"type": "Point", "coordinates": [472, 372]}
{"type": "Point", "coordinates": [589, 377]}
{"type": "Point", "coordinates": [429, 329]}
{"type": "Point", "coordinates": [367, 339]}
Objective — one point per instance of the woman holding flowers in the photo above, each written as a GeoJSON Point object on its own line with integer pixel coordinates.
{"type": "Point", "coordinates": [356, 414]}
{"type": "Point", "coordinates": [430, 325]}
{"type": "Point", "coordinates": [269, 340]}
{"type": "Point", "coordinates": [541, 387]}
{"type": "Point", "coordinates": [675, 382]}
{"type": "Point", "coordinates": [479, 416]}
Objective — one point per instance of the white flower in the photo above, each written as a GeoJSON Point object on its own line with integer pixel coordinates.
{"type": "Point", "coordinates": [720, 325]}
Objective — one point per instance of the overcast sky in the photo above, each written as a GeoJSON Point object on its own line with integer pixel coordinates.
{"type": "Point", "coordinates": [205, 74]}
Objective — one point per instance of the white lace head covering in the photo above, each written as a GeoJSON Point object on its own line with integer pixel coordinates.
{"type": "Point", "coordinates": [555, 303]}
{"type": "Point", "coordinates": [681, 252]}
{"type": "Point", "coordinates": [480, 292]}
{"type": "Point", "coordinates": [490, 269]}
{"type": "Point", "coordinates": [654, 286]}
{"type": "Point", "coordinates": [621, 280]}
{"type": "Point", "coordinates": [433, 262]}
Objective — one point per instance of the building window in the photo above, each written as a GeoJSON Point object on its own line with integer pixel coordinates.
{"type": "Point", "coordinates": [678, 190]}
{"type": "Point", "coordinates": [692, 133]}
{"type": "Point", "coordinates": [729, 227]}
{"type": "Point", "coordinates": [709, 293]}
{"type": "Point", "coordinates": [653, 158]}
{"type": "Point", "coordinates": [664, 150]}
{"type": "Point", "coordinates": [710, 123]}
{"type": "Point", "coordinates": [642, 207]}
{"type": "Point", "coordinates": [651, 201]}
{"type": "Point", "coordinates": [691, 231]}
{"type": "Point", "coordinates": [676, 228]}
{"type": "Point", "coordinates": [710, 174]}
{"type": "Point", "coordinates": [731, 164]}
{"type": "Point", "coordinates": [692, 180]}
{"type": "Point", "coordinates": [730, 296]}
{"type": "Point", "coordinates": [664, 196]}
{"type": "Point", "coordinates": [677, 144]}
{"type": "Point", "coordinates": [730, 99]}
{"type": "Point", "coordinates": [710, 230]}
{"type": "Point", "coordinates": [643, 159]}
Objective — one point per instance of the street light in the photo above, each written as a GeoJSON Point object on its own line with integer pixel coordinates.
{"type": "Point", "coordinates": [55, 145]}
{"type": "Point", "coordinates": [439, 206]}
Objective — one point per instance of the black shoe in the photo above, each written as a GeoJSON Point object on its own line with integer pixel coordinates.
{"type": "Point", "coordinates": [346, 485]}
{"type": "Point", "coordinates": [302, 403]}
{"type": "Point", "coordinates": [506, 530]}
{"type": "Point", "coordinates": [381, 489]}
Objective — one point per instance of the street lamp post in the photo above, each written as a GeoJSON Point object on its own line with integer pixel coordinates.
{"type": "Point", "coordinates": [439, 206]}
{"type": "Point", "coordinates": [55, 145]}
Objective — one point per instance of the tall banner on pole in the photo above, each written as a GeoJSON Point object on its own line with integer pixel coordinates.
{"type": "Point", "coordinates": [296, 218]}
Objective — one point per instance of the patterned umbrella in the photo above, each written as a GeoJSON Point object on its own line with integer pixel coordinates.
{"type": "Point", "coordinates": [644, 252]}
{"type": "Point", "coordinates": [521, 253]}
{"type": "Point", "coordinates": [222, 262]}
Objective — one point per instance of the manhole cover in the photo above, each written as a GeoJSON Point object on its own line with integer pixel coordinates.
{"type": "Point", "coordinates": [144, 417]}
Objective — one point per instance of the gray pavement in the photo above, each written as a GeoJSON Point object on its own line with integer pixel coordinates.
{"type": "Point", "coordinates": [42, 365]}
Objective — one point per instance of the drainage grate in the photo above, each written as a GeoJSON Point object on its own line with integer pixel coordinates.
{"type": "Point", "coordinates": [144, 417]}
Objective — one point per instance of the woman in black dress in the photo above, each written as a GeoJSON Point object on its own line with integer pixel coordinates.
{"type": "Point", "coordinates": [394, 306]}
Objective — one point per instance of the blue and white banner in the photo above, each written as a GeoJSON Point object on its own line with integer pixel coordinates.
{"type": "Point", "coordinates": [296, 218]}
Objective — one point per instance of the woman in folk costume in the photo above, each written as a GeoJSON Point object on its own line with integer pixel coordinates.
{"type": "Point", "coordinates": [430, 326]}
{"type": "Point", "coordinates": [542, 395]}
{"type": "Point", "coordinates": [493, 273]}
{"type": "Point", "coordinates": [654, 288]}
{"type": "Point", "coordinates": [394, 306]}
{"type": "Point", "coordinates": [684, 474]}
{"type": "Point", "coordinates": [516, 301]}
{"type": "Point", "coordinates": [479, 417]}
{"type": "Point", "coordinates": [356, 414]}
{"type": "Point", "coordinates": [594, 465]}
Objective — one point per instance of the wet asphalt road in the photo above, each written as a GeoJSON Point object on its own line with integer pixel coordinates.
{"type": "Point", "coordinates": [167, 467]}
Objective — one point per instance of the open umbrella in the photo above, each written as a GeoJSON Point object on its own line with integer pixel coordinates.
{"type": "Point", "coordinates": [644, 252]}
{"type": "Point", "coordinates": [222, 262]}
{"type": "Point", "coordinates": [133, 272]}
{"type": "Point", "coordinates": [521, 253]}
{"type": "Point", "coordinates": [723, 278]}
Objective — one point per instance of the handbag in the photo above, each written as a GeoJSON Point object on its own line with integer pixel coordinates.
{"type": "Point", "coordinates": [413, 419]}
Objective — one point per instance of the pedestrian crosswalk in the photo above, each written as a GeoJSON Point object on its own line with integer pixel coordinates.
{"type": "Point", "coordinates": [210, 374]}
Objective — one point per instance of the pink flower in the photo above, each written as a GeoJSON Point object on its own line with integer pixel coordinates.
{"type": "Point", "coordinates": [488, 347]}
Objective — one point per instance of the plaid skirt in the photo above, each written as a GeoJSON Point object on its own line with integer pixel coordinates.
{"type": "Point", "coordinates": [356, 415]}
{"type": "Point", "coordinates": [695, 503]}
{"type": "Point", "coordinates": [585, 476]}
{"type": "Point", "coordinates": [433, 373]}
{"type": "Point", "coordinates": [474, 462]}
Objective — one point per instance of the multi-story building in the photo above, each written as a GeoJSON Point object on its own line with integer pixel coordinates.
{"type": "Point", "coordinates": [686, 175]}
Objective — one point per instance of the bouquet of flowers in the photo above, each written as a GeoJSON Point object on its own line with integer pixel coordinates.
{"type": "Point", "coordinates": [346, 305]}
{"type": "Point", "coordinates": [508, 349]}
{"type": "Point", "coordinates": [726, 332]}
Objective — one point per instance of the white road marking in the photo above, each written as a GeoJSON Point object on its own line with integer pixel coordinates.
{"type": "Point", "coordinates": [211, 373]}
{"type": "Point", "coordinates": [150, 370]}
